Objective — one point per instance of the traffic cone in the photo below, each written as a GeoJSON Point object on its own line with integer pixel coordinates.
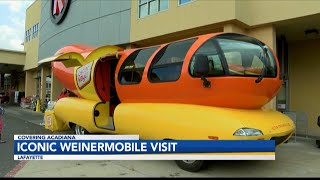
{"type": "Point", "coordinates": [38, 106]}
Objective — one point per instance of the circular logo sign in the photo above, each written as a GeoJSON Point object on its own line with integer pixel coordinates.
{"type": "Point", "coordinates": [59, 10]}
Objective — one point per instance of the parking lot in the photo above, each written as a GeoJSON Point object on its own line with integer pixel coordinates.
{"type": "Point", "coordinates": [294, 159]}
{"type": "Point", "coordinates": [299, 158]}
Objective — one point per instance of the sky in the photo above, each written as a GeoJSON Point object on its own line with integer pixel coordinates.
{"type": "Point", "coordinates": [12, 23]}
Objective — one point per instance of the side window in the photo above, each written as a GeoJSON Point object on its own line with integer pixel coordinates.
{"type": "Point", "coordinates": [210, 50]}
{"type": "Point", "coordinates": [132, 69]}
{"type": "Point", "coordinates": [167, 64]}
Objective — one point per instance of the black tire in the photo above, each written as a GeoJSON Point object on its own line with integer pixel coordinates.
{"type": "Point", "coordinates": [318, 143]}
{"type": "Point", "coordinates": [192, 165]}
{"type": "Point", "coordinates": [79, 130]}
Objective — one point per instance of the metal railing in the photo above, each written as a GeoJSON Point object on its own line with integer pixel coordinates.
{"type": "Point", "coordinates": [300, 120]}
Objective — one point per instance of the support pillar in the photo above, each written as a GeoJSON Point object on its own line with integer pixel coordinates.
{"type": "Point", "coordinates": [56, 87]}
{"type": "Point", "coordinates": [2, 81]}
{"type": "Point", "coordinates": [266, 34]}
{"type": "Point", "coordinates": [45, 71]}
{"type": "Point", "coordinates": [30, 84]}
{"type": "Point", "coordinates": [233, 28]}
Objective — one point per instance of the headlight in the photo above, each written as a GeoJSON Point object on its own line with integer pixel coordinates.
{"type": "Point", "coordinates": [248, 132]}
{"type": "Point", "coordinates": [51, 105]}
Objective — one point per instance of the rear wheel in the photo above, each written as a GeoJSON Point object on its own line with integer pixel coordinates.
{"type": "Point", "coordinates": [318, 143]}
{"type": "Point", "coordinates": [191, 165]}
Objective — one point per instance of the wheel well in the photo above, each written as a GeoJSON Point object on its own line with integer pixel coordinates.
{"type": "Point", "coordinates": [71, 125]}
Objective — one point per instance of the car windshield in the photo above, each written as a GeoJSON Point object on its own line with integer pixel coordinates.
{"type": "Point", "coordinates": [246, 56]}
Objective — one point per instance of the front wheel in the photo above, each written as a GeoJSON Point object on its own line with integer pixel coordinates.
{"type": "Point", "coordinates": [191, 165]}
{"type": "Point", "coordinates": [79, 130]}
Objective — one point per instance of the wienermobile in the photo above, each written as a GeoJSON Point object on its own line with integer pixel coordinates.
{"type": "Point", "coordinates": [212, 86]}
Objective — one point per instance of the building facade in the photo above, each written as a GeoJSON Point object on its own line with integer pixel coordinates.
{"type": "Point", "coordinates": [290, 27]}
{"type": "Point", "coordinates": [31, 47]}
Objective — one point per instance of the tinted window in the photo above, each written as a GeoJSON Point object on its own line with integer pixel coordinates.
{"type": "Point", "coordinates": [132, 69]}
{"type": "Point", "coordinates": [209, 49]}
{"type": "Point", "coordinates": [168, 62]}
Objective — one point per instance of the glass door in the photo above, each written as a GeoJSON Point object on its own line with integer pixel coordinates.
{"type": "Point", "coordinates": [283, 95]}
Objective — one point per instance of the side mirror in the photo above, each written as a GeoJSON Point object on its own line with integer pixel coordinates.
{"type": "Point", "coordinates": [283, 77]}
{"type": "Point", "coordinates": [202, 68]}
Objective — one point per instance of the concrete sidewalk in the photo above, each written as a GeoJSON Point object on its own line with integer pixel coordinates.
{"type": "Point", "coordinates": [17, 121]}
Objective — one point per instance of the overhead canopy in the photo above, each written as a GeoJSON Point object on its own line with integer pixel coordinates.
{"type": "Point", "coordinates": [48, 59]}
{"type": "Point", "coordinates": [11, 61]}
{"type": "Point", "coordinates": [9, 68]}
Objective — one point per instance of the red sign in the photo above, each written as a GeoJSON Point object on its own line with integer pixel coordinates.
{"type": "Point", "coordinates": [84, 75]}
{"type": "Point", "coordinates": [59, 10]}
{"type": "Point", "coordinates": [58, 5]}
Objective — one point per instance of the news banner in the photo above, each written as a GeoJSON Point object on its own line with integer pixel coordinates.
{"type": "Point", "coordinates": [129, 147]}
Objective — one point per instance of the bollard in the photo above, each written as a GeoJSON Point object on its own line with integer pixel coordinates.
{"type": "Point", "coordinates": [38, 106]}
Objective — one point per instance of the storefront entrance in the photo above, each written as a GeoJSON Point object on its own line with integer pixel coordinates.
{"type": "Point", "coordinates": [283, 95]}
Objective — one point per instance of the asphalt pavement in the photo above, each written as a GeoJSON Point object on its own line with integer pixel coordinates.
{"type": "Point", "coordinates": [17, 121]}
{"type": "Point", "coordinates": [293, 159]}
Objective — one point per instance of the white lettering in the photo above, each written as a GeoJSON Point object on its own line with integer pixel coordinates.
{"type": "Point", "coordinates": [100, 147]}
{"type": "Point", "coordinates": [154, 147]}
{"type": "Point", "coordinates": [85, 146]}
{"type": "Point", "coordinates": [119, 149]}
{"type": "Point", "coordinates": [144, 147]}
{"type": "Point", "coordinates": [74, 147]}
{"type": "Point", "coordinates": [93, 147]}
{"type": "Point", "coordinates": [109, 147]}
{"type": "Point", "coordinates": [65, 146]}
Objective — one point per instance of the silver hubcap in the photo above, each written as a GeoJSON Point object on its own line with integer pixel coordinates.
{"type": "Point", "coordinates": [79, 130]}
{"type": "Point", "coordinates": [189, 161]}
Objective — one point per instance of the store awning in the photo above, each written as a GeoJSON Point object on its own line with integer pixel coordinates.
{"type": "Point", "coordinates": [48, 59]}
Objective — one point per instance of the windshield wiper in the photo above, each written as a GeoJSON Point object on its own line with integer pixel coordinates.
{"type": "Point", "coordinates": [264, 59]}
{"type": "Point", "coordinates": [261, 75]}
